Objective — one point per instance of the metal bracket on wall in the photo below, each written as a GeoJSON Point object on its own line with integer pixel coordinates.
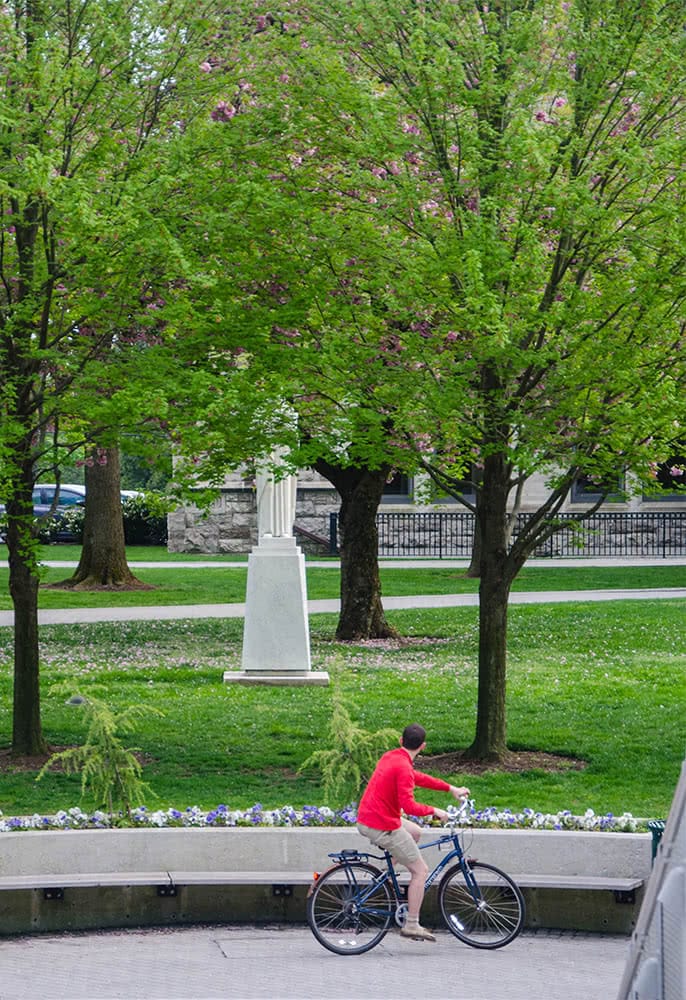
{"type": "Point", "coordinates": [282, 890]}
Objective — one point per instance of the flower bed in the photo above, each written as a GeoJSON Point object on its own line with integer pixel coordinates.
{"type": "Point", "coordinates": [311, 816]}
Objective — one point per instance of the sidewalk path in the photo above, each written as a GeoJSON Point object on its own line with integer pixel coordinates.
{"type": "Point", "coordinates": [398, 563]}
{"type": "Point", "coordinates": [174, 612]}
{"type": "Point", "coordinates": [278, 963]}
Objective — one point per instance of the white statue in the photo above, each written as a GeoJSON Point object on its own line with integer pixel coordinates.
{"type": "Point", "coordinates": [275, 503]}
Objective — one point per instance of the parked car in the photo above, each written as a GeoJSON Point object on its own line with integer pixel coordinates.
{"type": "Point", "coordinates": [70, 495]}
{"type": "Point", "coordinates": [44, 495]}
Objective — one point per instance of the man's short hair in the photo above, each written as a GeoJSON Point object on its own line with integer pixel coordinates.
{"type": "Point", "coordinates": [413, 736]}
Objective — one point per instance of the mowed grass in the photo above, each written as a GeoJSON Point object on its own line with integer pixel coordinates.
{"type": "Point", "coordinates": [605, 683]}
{"type": "Point", "coordinates": [174, 583]}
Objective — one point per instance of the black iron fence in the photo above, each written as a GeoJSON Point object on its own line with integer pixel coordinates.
{"type": "Point", "coordinates": [443, 534]}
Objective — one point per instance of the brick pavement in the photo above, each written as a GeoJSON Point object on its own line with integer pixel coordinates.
{"type": "Point", "coordinates": [278, 963]}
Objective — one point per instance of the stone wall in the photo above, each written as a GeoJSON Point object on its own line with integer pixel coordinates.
{"type": "Point", "coordinates": [230, 525]}
{"type": "Point", "coordinates": [416, 529]}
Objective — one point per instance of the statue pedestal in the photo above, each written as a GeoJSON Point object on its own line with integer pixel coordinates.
{"type": "Point", "coordinates": [276, 637]}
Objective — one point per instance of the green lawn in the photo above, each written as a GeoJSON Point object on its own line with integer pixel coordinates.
{"type": "Point", "coordinates": [602, 682]}
{"type": "Point", "coordinates": [176, 584]}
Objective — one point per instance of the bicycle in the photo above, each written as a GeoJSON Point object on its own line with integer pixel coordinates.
{"type": "Point", "coordinates": [352, 906]}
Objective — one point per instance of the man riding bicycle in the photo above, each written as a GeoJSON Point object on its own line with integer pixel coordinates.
{"type": "Point", "coordinates": [390, 793]}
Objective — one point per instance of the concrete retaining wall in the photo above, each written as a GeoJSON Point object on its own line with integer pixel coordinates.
{"type": "Point", "coordinates": [295, 850]}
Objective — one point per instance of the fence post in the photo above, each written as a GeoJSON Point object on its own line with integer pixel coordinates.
{"type": "Point", "coordinates": [333, 533]}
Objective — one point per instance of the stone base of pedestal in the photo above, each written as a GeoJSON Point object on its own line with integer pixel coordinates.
{"type": "Point", "coordinates": [289, 678]}
{"type": "Point", "coordinates": [276, 636]}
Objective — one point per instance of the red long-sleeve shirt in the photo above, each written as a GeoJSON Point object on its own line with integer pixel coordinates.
{"type": "Point", "coordinates": [391, 791]}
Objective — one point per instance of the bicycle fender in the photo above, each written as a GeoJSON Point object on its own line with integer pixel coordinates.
{"type": "Point", "coordinates": [317, 875]}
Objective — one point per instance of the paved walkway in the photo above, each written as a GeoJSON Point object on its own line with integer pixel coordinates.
{"type": "Point", "coordinates": [175, 612]}
{"type": "Point", "coordinates": [199, 963]}
{"type": "Point", "coordinates": [399, 563]}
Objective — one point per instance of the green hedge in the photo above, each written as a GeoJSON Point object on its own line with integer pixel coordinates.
{"type": "Point", "coordinates": [145, 521]}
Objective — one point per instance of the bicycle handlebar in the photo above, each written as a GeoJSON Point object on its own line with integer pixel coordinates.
{"type": "Point", "coordinates": [457, 814]}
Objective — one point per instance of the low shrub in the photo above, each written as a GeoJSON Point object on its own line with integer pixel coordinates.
{"type": "Point", "coordinates": [145, 521]}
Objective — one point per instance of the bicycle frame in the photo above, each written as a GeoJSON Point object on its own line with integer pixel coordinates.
{"type": "Point", "coordinates": [456, 853]}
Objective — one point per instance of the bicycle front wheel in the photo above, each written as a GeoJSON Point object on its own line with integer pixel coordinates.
{"type": "Point", "coordinates": [348, 912]}
{"type": "Point", "coordinates": [485, 909]}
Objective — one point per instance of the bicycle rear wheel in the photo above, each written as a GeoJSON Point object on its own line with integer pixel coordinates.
{"type": "Point", "coordinates": [486, 914]}
{"type": "Point", "coordinates": [347, 912]}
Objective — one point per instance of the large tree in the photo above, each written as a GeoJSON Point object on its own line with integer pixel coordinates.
{"type": "Point", "coordinates": [499, 249]}
{"type": "Point", "coordinates": [528, 162]}
{"type": "Point", "coordinates": [93, 94]}
{"type": "Point", "coordinates": [102, 564]}
{"type": "Point", "coordinates": [294, 327]}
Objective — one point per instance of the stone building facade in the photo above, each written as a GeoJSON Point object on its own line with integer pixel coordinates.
{"type": "Point", "coordinates": [651, 525]}
{"type": "Point", "coordinates": [230, 525]}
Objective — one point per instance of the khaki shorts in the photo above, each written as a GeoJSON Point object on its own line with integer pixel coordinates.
{"type": "Point", "coordinates": [400, 843]}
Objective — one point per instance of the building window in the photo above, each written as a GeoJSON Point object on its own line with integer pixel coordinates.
{"type": "Point", "coordinates": [670, 477]}
{"type": "Point", "coordinates": [467, 487]}
{"type": "Point", "coordinates": [588, 489]}
{"type": "Point", "coordinates": [398, 490]}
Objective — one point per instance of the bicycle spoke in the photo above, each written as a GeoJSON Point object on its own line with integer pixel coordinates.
{"type": "Point", "coordinates": [487, 914]}
{"type": "Point", "coordinates": [347, 912]}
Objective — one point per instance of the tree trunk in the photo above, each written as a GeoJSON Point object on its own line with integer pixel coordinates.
{"type": "Point", "coordinates": [103, 564]}
{"type": "Point", "coordinates": [362, 615]}
{"type": "Point", "coordinates": [490, 740]}
{"type": "Point", "coordinates": [27, 735]}
{"type": "Point", "coordinates": [474, 568]}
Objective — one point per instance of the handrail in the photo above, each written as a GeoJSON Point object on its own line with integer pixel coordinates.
{"type": "Point", "coordinates": [655, 968]}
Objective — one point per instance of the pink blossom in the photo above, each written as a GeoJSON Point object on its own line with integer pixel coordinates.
{"type": "Point", "coordinates": [206, 67]}
{"type": "Point", "coordinates": [223, 112]}
{"type": "Point", "coordinates": [431, 207]}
